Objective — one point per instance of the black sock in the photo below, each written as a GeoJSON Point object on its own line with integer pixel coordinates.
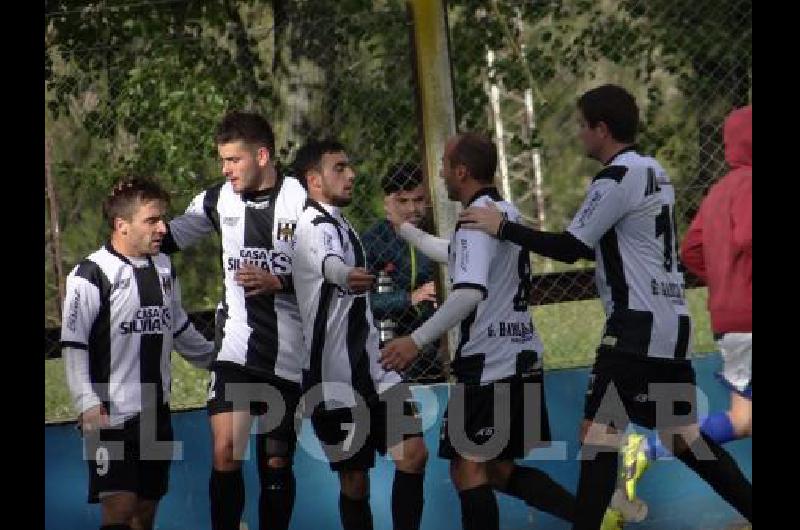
{"type": "Point", "coordinates": [407, 500]}
{"type": "Point", "coordinates": [355, 513]}
{"type": "Point", "coordinates": [276, 500]}
{"type": "Point", "coordinates": [537, 489]}
{"type": "Point", "coordinates": [226, 496]}
{"type": "Point", "coordinates": [722, 473]}
{"type": "Point", "coordinates": [118, 526]}
{"type": "Point", "coordinates": [479, 509]}
{"type": "Point", "coordinates": [596, 484]}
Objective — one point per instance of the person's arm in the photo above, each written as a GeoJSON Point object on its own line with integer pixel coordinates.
{"type": "Point", "coordinates": [456, 308]}
{"type": "Point", "coordinates": [561, 246]}
{"type": "Point", "coordinates": [742, 217]}
{"type": "Point", "coordinates": [194, 224]}
{"type": "Point", "coordinates": [187, 341]}
{"type": "Point", "coordinates": [81, 307]}
{"type": "Point", "coordinates": [692, 247]}
{"type": "Point", "coordinates": [434, 247]}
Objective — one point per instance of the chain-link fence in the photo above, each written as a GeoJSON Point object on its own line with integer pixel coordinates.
{"type": "Point", "coordinates": [137, 87]}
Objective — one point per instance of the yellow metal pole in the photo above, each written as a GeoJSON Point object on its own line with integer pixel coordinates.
{"type": "Point", "coordinates": [435, 113]}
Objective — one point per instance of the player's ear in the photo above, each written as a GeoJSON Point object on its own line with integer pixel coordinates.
{"type": "Point", "coordinates": [262, 156]}
{"type": "Point", "coordinates": [120, 225]}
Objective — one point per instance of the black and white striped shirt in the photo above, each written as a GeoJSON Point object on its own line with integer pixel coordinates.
{"type": "Point", "coordinates": [342, 342]}
{"type": "Point", "coordinates": [628, 218]}
{"type": "Point", "coordinates": [260, 332]}
{"type": "Point", "coordinates": [498, 339]}
{"type": "Point", "coordinates": [122, 317]}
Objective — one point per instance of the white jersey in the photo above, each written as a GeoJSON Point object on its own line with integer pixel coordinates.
{"type": "Point", "coordinates": [261, 332]}
{"type": "Point", "coordinates": [340, 336]}
{"type": "Point", "coordinates": [124, 313]}
{"type": "Point", "coordinates": [628, 217]}
{"type": "Point", "coordinates": [498, 339]}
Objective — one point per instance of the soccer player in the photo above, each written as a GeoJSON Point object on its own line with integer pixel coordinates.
{"type": "Point", "coordinates": [626, 224]}
{"type": "Point", "coordinates": [260, 339]}
{"type": "Point", "coordinates": [357, 407]}
{"type": "Point", "coordinates": [498, 361]}
{"type": "Point", "coordinates": [122, 317]}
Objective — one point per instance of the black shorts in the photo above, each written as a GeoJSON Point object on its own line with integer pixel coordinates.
{"type": "Point", "coordinates": [653, 393]}
{"type": "Point", "coordinates": [255, 393]}
{"type": "Point", "coordinates": [131, 457]}
{"type": "Point", "coordinates": [528, 425]}
{"type": "Point", "coordinates": [346, 442]}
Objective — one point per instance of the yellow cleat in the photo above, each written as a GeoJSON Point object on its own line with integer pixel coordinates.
{"type": "Point", "coordinates": [612, 520]}
{"type": "Point", "coordinates": [634, 463]}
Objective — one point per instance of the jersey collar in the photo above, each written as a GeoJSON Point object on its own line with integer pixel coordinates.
{"type": "Point", "coordinates": [630, 148]}
{"type": "Point", "coordinates": [489, 191]}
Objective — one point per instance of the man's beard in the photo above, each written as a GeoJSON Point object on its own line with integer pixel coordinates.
{"type": "Point", "coordinates": [341, 202]}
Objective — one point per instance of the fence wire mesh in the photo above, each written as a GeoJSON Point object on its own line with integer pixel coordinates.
{"type": "Point", "coordinates": [137, 87]}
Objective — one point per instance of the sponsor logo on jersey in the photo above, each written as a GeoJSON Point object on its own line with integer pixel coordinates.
{"type": "Point", "coordinates": [464, 263]}
{"type": "Point", "coordinates": [286, 228]}
{"type": "Point", "coordinates": [74, 305]}
{"type": "Point", "coordinates": [589, 209]}
{"type": "Point", "coordinates": [124, 283]}
{"type": "Point", "coordinates": [230, 221]}
{"type": "Point", "coordinates": [518, 331]}
{"type": "Point", "coordinates": [328, 241]}
{"type": "Point", "coordinates": [149, 320]}
{"type": "Point", "coordinates": [166, 283]}
{"type": "Point", "coordinates": [266, 259]}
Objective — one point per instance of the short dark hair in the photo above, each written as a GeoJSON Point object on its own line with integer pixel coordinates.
{"type": "Point", "coordinates": [309, 156]}
{"type": "Point", "coordinates": [401, 176]}
{"type": "Point", "coordinates": [129, 192]}
{"type": "Point", "coordinates": [478, 154]}
{"type": "Point", "coordinates": [614, 106]}
{"type": "Point", "coordinates": [245, 126]}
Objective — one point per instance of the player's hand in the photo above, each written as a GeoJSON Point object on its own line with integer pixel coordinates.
{"type": "Point", "coordinates": [256, 280]}
{"type": "Point", "coordinates": [360, 280]}
{"type": "Point", "coordinates": [487, 219]}
{"type": "Point", "coordinates": [398, 353]}
{"type": "Point", "coordinates": [426, 292]}
{"type": "Point", "coordinates": [93, 418]}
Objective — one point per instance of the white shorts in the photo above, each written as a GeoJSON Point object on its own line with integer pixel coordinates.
{"type": "Point", "coordinates": [737, 358]}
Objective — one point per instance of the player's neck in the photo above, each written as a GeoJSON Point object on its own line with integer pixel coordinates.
{"type": "Point", "coordinates": [269, 176]}
{"type": "Point", "coordinates": [121, 247]}
{"type": "Point", "coordinates": [470, 189]}
{"type": "Point", "coordinates": [611, 150]}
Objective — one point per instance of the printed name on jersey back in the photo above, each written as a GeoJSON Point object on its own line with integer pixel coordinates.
{"type": "Point", "coordinates": [148, 320]}
{"type": "Point", "coordinates": [518, 331]}
{"type": "Point", "coordinates": [271, 260]}
{"type": "Point", "coordinates": [673, 290]}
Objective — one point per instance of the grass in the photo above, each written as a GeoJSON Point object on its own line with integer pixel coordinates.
{"type": "Point", "coordinates": [570, 332]}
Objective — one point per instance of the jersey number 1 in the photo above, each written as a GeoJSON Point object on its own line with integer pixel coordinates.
{"type": "Point", "coordinates": [665, 226]}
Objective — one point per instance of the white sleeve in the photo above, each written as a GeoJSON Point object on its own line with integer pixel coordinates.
{"type": "Point", "coordinates": [430, 245]}
{"type": "Point", "coordinates": [192, 225]}
{"type": "Point", "coordinates": [606, 202]}
{"type": "Point", "coordinates": [81, 307]}
{"type": "Point", "coordinates": [472, 256]}
{"type": "Point", "coordinates": [187, 341]}
{"type": "Point", "coordinates": [457, 307]}
{"type": "Point", "coordinates": [326, 253]}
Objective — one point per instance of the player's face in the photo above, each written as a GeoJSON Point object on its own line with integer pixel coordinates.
{"type": "Point", "coordinates": [448, 172]}
{"type": "Point", "coordinates": [407, 205]}
{"type": "Point", "coordinates": [243, 165]}
{"type": "Point", "coordinates": [145, 231]}
{"type": "Point", "coordinates": [591, 137]}
{"type": "Point", "coordinates": [337, 178]}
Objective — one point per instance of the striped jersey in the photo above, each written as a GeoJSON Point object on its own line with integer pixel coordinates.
{"type": "Point", "coordinates": [498, 339]}
{"type": "Point", "coordinates": [126, 314]}
{"type": "Point", "coordinates": [628, 218]}
{"type": "Point", "coordinates": [260, 332]}
{"type": "Point", "coordinates": [340, 336]}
